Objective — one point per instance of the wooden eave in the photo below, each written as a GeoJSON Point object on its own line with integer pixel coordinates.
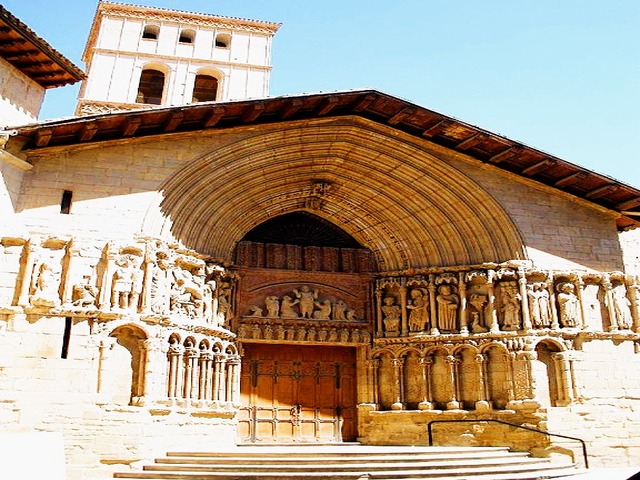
{"type": "Point", "coordinates": [481, 145]}
{"type": "Point", "coordinates": [33, 56]}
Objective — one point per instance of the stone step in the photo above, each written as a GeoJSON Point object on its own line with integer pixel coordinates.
{"type": "Point", "coordinates": [351, 463]}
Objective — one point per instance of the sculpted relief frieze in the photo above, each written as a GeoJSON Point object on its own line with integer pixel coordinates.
{"type": "Point", "coordinates": [303, 313]}
{"type": "Point", "coordinates": [505, 299]}
{"type": "Point", "coordinates": [146, 278]}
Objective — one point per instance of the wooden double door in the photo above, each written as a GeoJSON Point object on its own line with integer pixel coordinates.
{"type": "Point", "coordinates": [296, 393]}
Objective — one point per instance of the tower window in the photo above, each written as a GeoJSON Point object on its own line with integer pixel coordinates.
{"type": "Point", "coordinates": [223, 40]}
{"type": "Point", "coordinates": [205, 89]}
{"type": "Point", "coordinates": [187, 36]}
{"type": "Point", "coordinates": [151, 87]}
{"type": "Point", "coordinates": [151, 32]}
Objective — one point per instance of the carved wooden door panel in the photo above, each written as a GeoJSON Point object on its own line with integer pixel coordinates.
{"type": "Point", "coordinates": [298, 394]}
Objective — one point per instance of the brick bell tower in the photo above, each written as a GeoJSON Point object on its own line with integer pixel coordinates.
{"type": "Point", "coordinates": [139, 57]}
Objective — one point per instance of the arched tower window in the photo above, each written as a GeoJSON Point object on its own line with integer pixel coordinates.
{"type": "Point", "coordinates": [205, 89]}
{"type": "Point", "coordinates": [151, 87]}
{"type": "Point", "coordinates": [223, 40]}
{"type": "Point", "coordinates": [151, 32]}
{"type": "Point", "coordinates": [187, 36]}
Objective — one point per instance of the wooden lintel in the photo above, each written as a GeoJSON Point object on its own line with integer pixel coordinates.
{"type": "Point", "coordinates": [174, 120]}
{"type": "Point", "coordinates": [327, 106]}
{"type": "Point", "coordinates": [216, 115]}
{"type": "Point", "coordinates": [291, 109]}
{"type": "Point", "coordinates": [364, 102]}
{"type": "Point", "coordinates": [252, 112]}
{"type": "Point", "coordinates": [506, 154]}
{"type": "Point", "coordinates": [130, 126]}
{"type": "Point", "coordinates": [538, 167]}
{"type": "Point", "coordinates": [437, 128]}
{"type": "Point", "coordinates": [604, 190]}
{"type": "Point", "coordinates": [571, 179]}
{"type": "Point", "coordinates": [88, 132]}
{"type": "Point", "coordinates": [634, 202]}
{"type": "Point", "coordinates": [471, 141]}
{"type": "Point", "coordinates": [43, 136]}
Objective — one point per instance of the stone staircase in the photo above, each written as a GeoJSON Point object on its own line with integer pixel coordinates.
{"type": "Point", "coordinates": [353, 462]}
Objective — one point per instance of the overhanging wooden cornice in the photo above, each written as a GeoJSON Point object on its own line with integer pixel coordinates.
{"type": "Point", "coordinates": [476, 143]}
{"type": "Point", "coordinates": [33, 56]}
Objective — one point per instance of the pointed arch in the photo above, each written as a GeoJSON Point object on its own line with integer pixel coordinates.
{"type": "Point", "coordinates": [409, 208]}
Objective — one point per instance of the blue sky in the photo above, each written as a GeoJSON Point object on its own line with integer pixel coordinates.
{"type": "Point", "coordinates": [562, 76]}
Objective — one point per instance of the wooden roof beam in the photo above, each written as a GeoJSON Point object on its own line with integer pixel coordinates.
{"type": "Point", "coordinates": [12, 41]}
{"type": "Point", "coordinates": [571, 179]}
{"type": "Point", "coordinates": [538, 167]}
{"type": "Point", "coordinates": [435, 129]}
{"type": "Point", "coordinates": [43, 136]}
{"type": "Point", "coordinates": [506, 154]}
{"type": "Point", "coordinates": [628, 204]}
{"type": "Point", "coordinates": [22, 54]}
{"type": "Point", "coordinates": [175, 118]}
{"type": "Point", "coordinates": [363, 103]}
{"type": "Point", "coordinates": [291, 109]}
{"type": "Point", "coordinates": [602, 191]}
{"type": "Point", "coordinates": [252, 112]}
{"type": "Point", "coordinates": [401, 115]}
{"type": "Point", "coordinates": [326, 106]}
{"type": "Point", "coordinates": [88, 131]}
{"type": "Point", "coordinates": [472, 141]}
{"type": "Point", "coordinates": [216, 115]}
{"type": "Point", "coordinates": [130, 126]}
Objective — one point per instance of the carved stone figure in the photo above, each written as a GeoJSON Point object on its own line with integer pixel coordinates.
{"type": "Point", "coordinates": [84, 295]}
{"type": "Point", "coordinates": [307, 298]}
{"type": "Point", "coordinates": [255, 311]}
{"type": "Point", "coordinates": [447, 308]}
{"type": "Point", "coordinates": [569, 305]}
{"type": "Point", "coordinates": [286, 307]}
{"type": "Point", "coordinates": [477, 303]}
{"type": "Point", "coordinates": [339, 310]}
{"type": "Point", "coordinates": [324, 310]}
{"type": "Point", "coordinates": [273, 306]}
{"type": "Point", "coordinates": [621, 307]}
{"type": "Point", "coordinates": [539, 306]}
{"type": "Point", "coordinates": [45, 288]}
{"type": "Point", "coordinates": [510, 300]}
{"type": "Point", "coordinates": [476, 327]}
{"type": "Point", "coordinates": [419, 315]}
{"type": "Point", "coordinates": [127, 282]}
{"type": "Point", "coordinates": [392, 314]}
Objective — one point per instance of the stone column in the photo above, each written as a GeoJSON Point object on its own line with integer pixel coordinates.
{"type": "Point", "coordinates": [482, 402]}
{"type": "Point", "coordinates": [372, 381]}
{"type": "Point", "coordinates": [219, 378]}
{"type": "Point", "coordinates": [107, 278]}
{"type": "Point", "coordinates": [633, 288]}
{"type": "Point", "coordinates": [30, 254]}
{"type": "Point", "coordinates": [403, 303]}
{"type": "Point", "coordinates": [563, 378]}
{"type": "Point", "coordinates": [526, 315]}
{"type": "Point", "coordinates": [494, 326]}
{"type": "Point", "coordinates": [153, 370]}
{"type": "Point", "coordinates": [175, 371]}
{"type": "Point", "coordinates": [397, 364]}
{"type": "Point", "coordinates": [426, 403]}
{"type": "Point", "coordinates": [524, 381]}
{"type": "Point", "coordinates": [433, 307]}
{"type": "Point", "coordinates": [555, 323]}
{"type": "Point", "coordinates": [73, 251]}
{"type": "Point", "coordinates": [235, 380]}
{"type": "Point", "coordinates": [608, 300]}
{"type": "Point", "coordinates": [464, 314]}
{"type": "Point", "coordinates": [204, 392]}
{"type": "Point", "coordinates": [379, 325]}
{"type": "Point", "coordinates": [452, 363]}
{"type": "Point", "coordinates": [105, 346]}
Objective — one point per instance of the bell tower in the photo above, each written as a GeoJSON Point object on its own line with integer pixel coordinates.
{"type": "Point", "coordinates": [139, 57]}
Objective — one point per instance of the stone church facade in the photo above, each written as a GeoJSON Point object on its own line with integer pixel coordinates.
{"type": "Point", "coordinates": [331, 267]}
